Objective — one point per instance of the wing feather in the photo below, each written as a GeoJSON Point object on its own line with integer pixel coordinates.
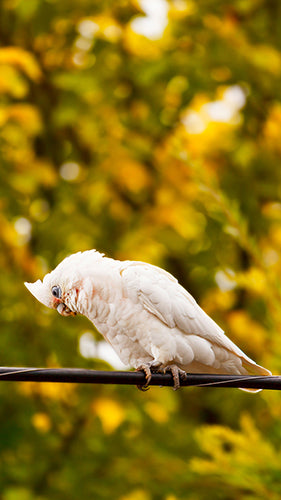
{"type": "Point", "coordinates": [162, 295]}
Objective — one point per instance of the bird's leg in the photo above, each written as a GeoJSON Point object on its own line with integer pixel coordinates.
{"type": "Point", "coordinates": [177, 373]}
{"type": "Point", "coordinates": [147, 369]}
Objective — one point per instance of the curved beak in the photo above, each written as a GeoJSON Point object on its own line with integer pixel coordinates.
{"type": "Point", "coordinates": [40, 292]}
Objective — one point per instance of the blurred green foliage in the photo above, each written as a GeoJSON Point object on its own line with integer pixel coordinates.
{"type": "Point", "coordinates": [163, 147]}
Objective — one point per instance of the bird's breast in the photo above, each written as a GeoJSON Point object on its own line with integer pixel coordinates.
{"type": "Point", "coordinates": [117, 317]}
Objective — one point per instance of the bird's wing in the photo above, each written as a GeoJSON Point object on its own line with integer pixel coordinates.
{"type": "Point", "coordinates": [162, 295]}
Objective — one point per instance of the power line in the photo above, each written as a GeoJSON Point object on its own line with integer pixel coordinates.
{"type": "Point", "coordinates": [81, 376]}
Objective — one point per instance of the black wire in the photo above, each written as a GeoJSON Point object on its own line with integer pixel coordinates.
{"type": "Point", "coordinates": [81, 376]}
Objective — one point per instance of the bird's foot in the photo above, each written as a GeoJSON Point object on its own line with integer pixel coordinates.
{"type": "Point", "coordinates": [177, 374]}
{"type": "Point", "coordinates": [147, 369]}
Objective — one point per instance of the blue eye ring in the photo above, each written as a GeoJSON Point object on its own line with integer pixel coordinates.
{"type": "Point", "coordinates": [56, 291]}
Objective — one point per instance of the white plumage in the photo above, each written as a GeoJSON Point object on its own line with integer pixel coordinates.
{"type": "Point", "coordinates": [150, 320]}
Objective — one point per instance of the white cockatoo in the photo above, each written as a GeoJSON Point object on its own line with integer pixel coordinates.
{"type": "Point", "coordinates": [150, 320]}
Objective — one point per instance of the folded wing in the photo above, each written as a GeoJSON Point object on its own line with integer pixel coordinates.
{"type": "Point", "coordinates": [162, 295]}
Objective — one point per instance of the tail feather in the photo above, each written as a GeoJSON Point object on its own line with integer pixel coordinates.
{"type": "Point", "coordinates": [247, 367]}
{"type": "Point", "coordinates": [254, 369]}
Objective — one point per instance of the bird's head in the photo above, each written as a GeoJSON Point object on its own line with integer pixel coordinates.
{"type": "Point", "coordinates": [66, 287]}
{"type": "Point", "coordinates": [53, 296]}
{"type": "Point", "coordinates": [58, 289]}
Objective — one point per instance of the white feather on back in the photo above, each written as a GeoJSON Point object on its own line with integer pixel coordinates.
{"type": "Point", "coordinates": [162, 295]}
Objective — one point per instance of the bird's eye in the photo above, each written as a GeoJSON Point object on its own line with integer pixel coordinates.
{"type": "Point", "coordinates": [56, 291]}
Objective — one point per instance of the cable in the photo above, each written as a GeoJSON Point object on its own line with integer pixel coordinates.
{"type": "Point", "coordinates": [81, 376]}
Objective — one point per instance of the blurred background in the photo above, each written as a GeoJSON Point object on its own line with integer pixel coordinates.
{"type": "Point", "coordinates": [149, 130]}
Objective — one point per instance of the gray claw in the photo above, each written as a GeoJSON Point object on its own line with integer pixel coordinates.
{"type": "Point", "coordinates": [147, 372]}
{"type": "Point", "coordinates": [177, 374]}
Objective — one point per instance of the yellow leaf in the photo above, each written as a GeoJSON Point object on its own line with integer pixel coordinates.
{"type": "Point", "coordinates": [254, 279]}
{"type": "Point", "coordinates": [23, 60]}
{"type": "Point", "coordinates": [271, 130]}
{"type": "Point", "coordinates": [218, 300]}
{"type": "Point", "coordinates": [141, 46]}
{"type": "Point", "coordinates": [50, 390]}
{"type": "Point", "coordinates": [240, 324]}
{"type": "Point", "coordinates": [267, 58]}
{"type": "Point", "coordinates": [131, 175]}
{"type": "Point", "coordinates": [11, 82]}
{"type": "Point", "coordinates": [137, 494]}
{"type": "Point", "coordinates": [157, 412]}
{"type": "Point", "coordinates": [26, 115]}
{"type": "Point", "coordinates": [41, 421]}
{"type": "Point", "coordinates": [110, 413]}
